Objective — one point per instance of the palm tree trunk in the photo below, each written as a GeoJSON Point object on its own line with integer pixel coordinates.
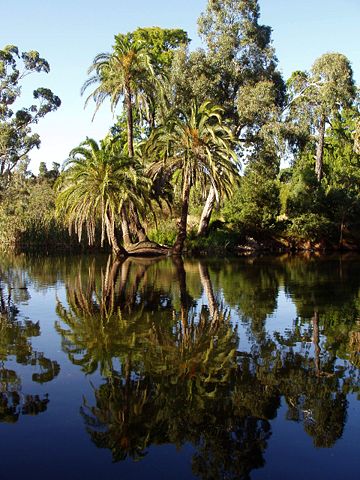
{"type": "Point", "coordinates": [125, 228]}
{"type": "Point", "coordinates": [206, 213]}
{"type": "Point", "coordinates": [184, 297]}
{"type": "Point", "coordinates": [139, 229]}
{"type": "Point", "coordinates": [118, 250]}
{"type": "Point", "coordinates": [182, 222]}
{"type": "Point", "coordinates": [111, 273]}
{"type": "Point", "coordinates": [130, 121]}
{"type": "Point", "coordinates": [320, 149]}
{"type": "Point", "coordinates": [130, 136]}
{"type": "Point", "coordinates": [208, 289]}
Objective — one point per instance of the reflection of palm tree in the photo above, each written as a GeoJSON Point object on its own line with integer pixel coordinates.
{"type": "Point", "coordinates": [103, 321]}
{"type": "Point", "coordinates": [106, 324]}
{"type": "Point", "coordinates": [98, 330]}
{"type": "Point", "coordinates": [175, 364]}
{"type": "Point", "coordinates": [122, 416]}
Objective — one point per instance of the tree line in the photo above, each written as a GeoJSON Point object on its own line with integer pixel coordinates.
{"type": "Point", "coordinates": [211, 147]}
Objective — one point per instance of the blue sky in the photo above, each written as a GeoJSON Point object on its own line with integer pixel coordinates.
{"type": "Point", "coordinates": [69, 33]}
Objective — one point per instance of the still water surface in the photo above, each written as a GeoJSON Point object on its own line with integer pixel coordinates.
{"type": "Point", "coordinates": [211, 369]}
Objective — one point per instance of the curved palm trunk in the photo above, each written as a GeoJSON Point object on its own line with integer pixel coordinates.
{"type": "Point", "coordinates": [139, 229]}
{"type": "Point", "coordinates": [182, 222]}
{"type": "Point", "coordinates": [118, 250]}
{"type": "Point", "coordinates": [206, 213]}
{"type": "Point", "coordinates": [125, 228]}
{"type": "Point", "coordinates": [320, 149]}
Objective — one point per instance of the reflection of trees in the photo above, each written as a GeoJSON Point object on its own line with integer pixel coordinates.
{"type": "Point", "coordinates": [303, 365]}
{"type": "Point", "coordinates": [252, 287]}
{"type": "Point", "coordinates": [172, 369]}
{"type": "Point", "coordinates": [105, 320]}
{"type": "Point", "coordinates": [15, 342]}
{"type": "Point", "coordinates": [313, 385]}
{"type": "Point", "coordinates": [176, 367]}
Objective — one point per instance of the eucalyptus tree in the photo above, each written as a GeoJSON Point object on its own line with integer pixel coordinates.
{"type": "Point", "coordinates": [316, 97]}
{"type": "Point", "coordinates": [342, 167]}
{"type": "Point", "coordinates": [98, 181]}
{"type": "Point", "coordinates": [198, 145]}
{"type": "Point", "coordinates": [356, 136]}
{"type": "Point", "coordinates": [238, 70]}
{"type": "Point", "coordinates": [16, 137]}
{"type": "Point", "coordinates": [239, 50]}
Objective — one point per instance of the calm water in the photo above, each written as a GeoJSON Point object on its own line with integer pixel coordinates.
{"type": "Point", "coordinates": [217, 369]}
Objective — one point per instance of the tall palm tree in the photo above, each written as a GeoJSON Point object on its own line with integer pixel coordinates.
{"type": "Point", "coordinates": [125, 73]}
{"type": "Point", "coordinates": [199, 145]}
{"type": "Point", "coordinates": [99, 181]}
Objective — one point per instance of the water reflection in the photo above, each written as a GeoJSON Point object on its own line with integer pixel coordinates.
{"type": "Point", "coordinates": [193, 353]}
{"type": "Point", "coordinates": [15, 343]}
{"type": "Point", "coordinates": [174, 371]}
{"type": "Point", "coordinates": [177, 367]}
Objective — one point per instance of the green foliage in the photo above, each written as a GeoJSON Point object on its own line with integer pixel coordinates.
{"type": "Point", "coordinates": [255, 205]}
{"type": "Point", "coordinates": [220, 239]}
{"type": "Point", "coordinates": [160, 44]}
{"type": "Point", "coordinates": [328, 211]}
{"type": "Point", "coordinates": [27, 215]}
{"type": "Point", "coordinates": [164, 233]}
{"type": "Point", "coordinates": [311, 227]}
{"type": "Point", "coordinates": [239, 50]}
{"type": "Point", "coordinates": [342, 170]}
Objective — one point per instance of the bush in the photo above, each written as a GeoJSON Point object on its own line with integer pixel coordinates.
{"type": "Point", "coordinates": [310, 227]}
{"type": "Point", "coordinates": [218, 241]}
{"type": "Point", "coordinates": [164, 234]}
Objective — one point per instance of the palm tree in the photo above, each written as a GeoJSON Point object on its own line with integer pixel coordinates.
{"type": "Point", "coordinates": [124, 73]}
{"type": "Point", "coordinates": [99, 181]}
{"type": "Point", "coordinates": [198, 145]}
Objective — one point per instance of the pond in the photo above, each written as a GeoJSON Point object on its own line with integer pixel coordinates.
{"type": "Point", "coordinates": [207, 369]}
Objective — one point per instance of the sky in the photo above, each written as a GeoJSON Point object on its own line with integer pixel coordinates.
{"type": "Point", "coordinates": [69, 33]}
